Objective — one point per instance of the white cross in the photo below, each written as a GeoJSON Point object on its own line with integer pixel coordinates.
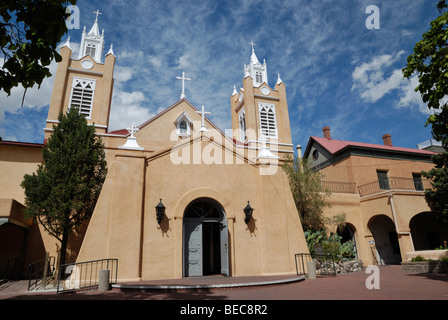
{"type": "Point", "coordinates": [252, 44]}
{"type": "Point", "coordinates": [183, 84]}
{"type": "Point", "coordinates": [97, 12]}
{"type": "Point", "coordinates": [203, 113]}
{"type": "Point", "coordinates": [132, 129]}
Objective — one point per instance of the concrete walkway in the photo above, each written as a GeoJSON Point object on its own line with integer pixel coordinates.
{"type": "Point", "coordinates": [394, 284]}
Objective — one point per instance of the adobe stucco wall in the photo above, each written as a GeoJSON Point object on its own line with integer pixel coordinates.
{"type": "Point", "coordinates": [124, 224]}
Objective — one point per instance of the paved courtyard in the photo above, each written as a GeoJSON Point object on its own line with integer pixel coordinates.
{"type": "Point", "coordinates": [394, 284]}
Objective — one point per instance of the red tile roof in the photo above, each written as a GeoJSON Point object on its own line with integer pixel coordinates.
{"type": "Point", "coordinates": [334, 146]}
{"type": "Point", "coordinates": [121, 132]}
{"type": "Point", "coordinates": [22, 144]}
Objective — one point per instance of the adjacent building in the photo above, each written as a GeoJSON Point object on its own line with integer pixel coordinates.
{"type": "Point", "coordinates": [380, 189]}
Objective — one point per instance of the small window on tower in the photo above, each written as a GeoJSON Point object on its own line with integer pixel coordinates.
{"type": "Point", "coordinates": [242, 117]}
{"type": "Point", "coordinates": [259, 77]}
{"type": "Point", "coordinates": [91, 49]}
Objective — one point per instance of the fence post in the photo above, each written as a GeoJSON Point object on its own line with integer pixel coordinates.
{"type": "Point", "coordinates": [104, 284]}
{"type": "Point", "coordinates": [311, 270]}
{"type": "Point", "coordinates": [44, 279]}
{"type": "Point", "coordinates": [56, 274]}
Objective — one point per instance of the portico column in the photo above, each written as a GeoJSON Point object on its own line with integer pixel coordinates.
{"type": "Point", "coordinates": [404, 234]}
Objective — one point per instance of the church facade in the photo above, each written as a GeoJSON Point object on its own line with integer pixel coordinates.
{"type": "Point", "coordinates": [183, 198]}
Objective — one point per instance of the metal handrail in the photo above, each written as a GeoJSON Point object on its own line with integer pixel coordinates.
{"type": "Point", "coordinates": [37, 271]}
{"type": "Point", "coordinates": [85, 275]}
{"type": "Point", "coordinates": [325, 262]}
{"type": "Point", "coordinates": [8, 268]}
{"type": "Point", "coordinates": [339, 187]}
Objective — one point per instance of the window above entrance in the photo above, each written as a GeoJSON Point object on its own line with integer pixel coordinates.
{"type": "Point", "coordinates": [203, 209]}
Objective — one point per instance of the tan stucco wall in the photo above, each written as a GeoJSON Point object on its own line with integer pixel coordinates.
{"type": "Point", "coordinates": [363, 170]}
{"type": "Point", "coordinates": [265, 246]}
{"type": "Point", "coordinates": [15, 162]}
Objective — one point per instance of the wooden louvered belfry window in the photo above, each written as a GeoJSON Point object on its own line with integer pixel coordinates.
{"type": "Point", "coordinates": [83, 91]}
{"type": "Point", "coordinates": [268, 122]}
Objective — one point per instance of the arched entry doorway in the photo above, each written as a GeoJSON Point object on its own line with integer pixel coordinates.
{"type": "Point", "coordinates": [428, 232]}
{"type": "Point", "coordinates": [347, 232]}
{"type": "Point", "coordinates": [205, 239]}
{"type": "Point", "coordinates": [386, 240]}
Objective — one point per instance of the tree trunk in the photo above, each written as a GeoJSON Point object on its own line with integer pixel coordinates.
{"type": "Point", "coordinates": [64, 243]}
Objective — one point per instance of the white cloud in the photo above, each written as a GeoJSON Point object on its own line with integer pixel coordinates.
{"type": "Point", "coordinates": [155, 61]}
{"type": "Point", "coordinates": [122, 74]}
{"type": "Point", "coordinates": [369, 77]}
{"type": "Point", "coordinates": [127, 107]}
{"type": "Point", "coordinates": [376, 88]}
{"type": "Point", "coordinates": [183, 61]}
{"type": "Point", "coordinates": [122, 115]}
{"type": "Point", "coordinates": [408, 96]}
{"type": "Point", "coordinates": [373, 80]}
{"type": "Point", "coordinates": [35, 97]}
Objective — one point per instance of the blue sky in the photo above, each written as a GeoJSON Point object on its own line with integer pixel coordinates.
{"type": "Point", "coordinates": [337, 72]}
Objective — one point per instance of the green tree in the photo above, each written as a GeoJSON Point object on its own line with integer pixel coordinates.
{"type": "Point", "coordinates": [309, 195]}
{"type": "Point", "coordinates": [29, 34]}
{"type": "Point", "coordinates": [430, 63]}
{"type": "Point", "coordinates": [63, 192]}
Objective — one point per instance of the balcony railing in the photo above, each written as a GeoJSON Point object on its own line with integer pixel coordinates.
{"type": "Point", "coordinates": [393, 183]}
{"type": "Point", "coordinates": [339, 187]}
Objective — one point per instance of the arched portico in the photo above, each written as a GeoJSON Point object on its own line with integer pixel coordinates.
{"type": "Point", "coordinates": [427, 231]}
{"type": "Point", "coordinates": [348, 233]}
{"type": "Point", "coordinates": [387, 248]}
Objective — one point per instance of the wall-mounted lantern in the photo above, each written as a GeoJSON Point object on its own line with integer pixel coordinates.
{"type": "Point", "coordinates": [248, 213]}
{"type": "Point", "coordinates": [160, 212]}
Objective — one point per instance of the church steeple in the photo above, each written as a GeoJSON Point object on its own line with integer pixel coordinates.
{"type": "Point", "coordinates": [255, 69]}
{"type": "Point", "coordinates": [92, 43]}
{"type": "Point", "coordinates": [260, 115]}
{"type": "Point", "coordinates": [85, 82]}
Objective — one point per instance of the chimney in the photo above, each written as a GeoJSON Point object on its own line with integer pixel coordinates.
{"type": "Point", "coordinates": [327, 133]}
{"type": "Point", "coordinates": [387, 140]}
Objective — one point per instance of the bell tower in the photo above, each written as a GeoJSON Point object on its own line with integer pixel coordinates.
{"type": "Point", "coordinates": [85, 82]}
{"type": "Point", "coordinates": [260, 112]}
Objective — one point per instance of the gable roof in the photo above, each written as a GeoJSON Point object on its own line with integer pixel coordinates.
{"type": "Point", "coordinates": [126, 133]}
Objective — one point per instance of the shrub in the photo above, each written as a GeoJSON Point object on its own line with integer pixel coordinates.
{"type": "Point", "coordinates": [331, 245]}
{"type": "Point", "coordinates": [418, 259]}
{"type": "Point", "coordinates": [443, 247]}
